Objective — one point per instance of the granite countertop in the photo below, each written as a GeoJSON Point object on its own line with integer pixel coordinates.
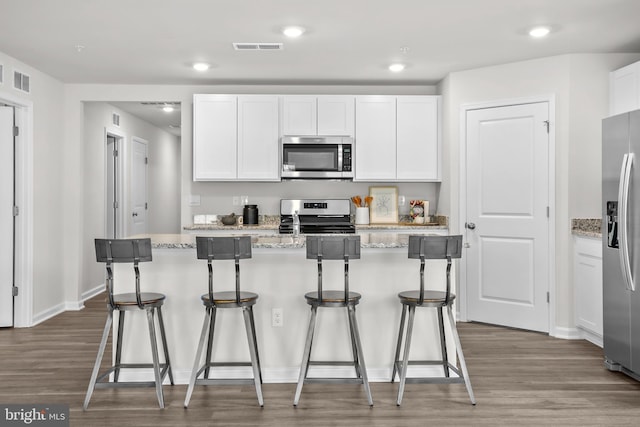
{"type": "Point", "coordinates": [277, 241]}
{"type": "Point", "coordinates": [586, 227]}
{"type": "Point", "coordinates": [272, 222]}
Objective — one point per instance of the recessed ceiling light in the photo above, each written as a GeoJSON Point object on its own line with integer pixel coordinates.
{"type": "Point", "coordinates": [167, 108]}
{"type": "Point", "coordinates": [201, 66]}
{"type": "Point", "coordinates": [293, 32]}
{"type": "Point", "coordinates": [396, 68]}
{"type": "Point", "coordinates": [538, 32]}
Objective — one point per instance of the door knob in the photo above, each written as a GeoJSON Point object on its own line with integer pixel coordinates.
{"type": "Point", "coordinates": [470, 225]}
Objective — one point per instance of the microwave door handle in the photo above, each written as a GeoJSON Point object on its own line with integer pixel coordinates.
{"type": "Point", "coordinates": [623, 217]}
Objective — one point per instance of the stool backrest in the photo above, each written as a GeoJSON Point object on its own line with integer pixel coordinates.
{"type": "Point", "coordinates": [132, 251]}
{"type": "Point", "coordinates": [223, 248]}
{"type": "Point", "coordinates": [435, 247]}
{"type": "Point", "coordinates": [333, 248]}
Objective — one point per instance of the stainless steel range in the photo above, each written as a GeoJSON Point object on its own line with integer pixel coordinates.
{"type": "Point", "coordinates": [316, 216]}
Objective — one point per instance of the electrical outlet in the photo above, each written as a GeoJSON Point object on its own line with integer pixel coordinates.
{"type": "Point", "coordinates": [236, 201]}
{"type": "Point", "coordinates": [401, 200]}
{"type": "Point", "coordinates": [244, 200]}
{"type": "Point", "coordinates": [276, 318]}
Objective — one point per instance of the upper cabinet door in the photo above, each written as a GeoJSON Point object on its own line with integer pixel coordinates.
{"type": "Point", "coordinates": [336, 115]}
{"type": "Point", "coordinates": [375, 138]}
{"type": "Point", "coordinates": [214, 137]}
{"type": "Point", "coordinates": [299, 115]}
{"type": "Point", "coordinates": [418, 148]}
{"type": "Point", "coordinates": [624, 89]}
{"type": "Point", "coordinates": [258, 154]}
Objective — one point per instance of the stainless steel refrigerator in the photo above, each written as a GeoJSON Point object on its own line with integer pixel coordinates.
{"type": "Point", "coordinates": [621, 242]}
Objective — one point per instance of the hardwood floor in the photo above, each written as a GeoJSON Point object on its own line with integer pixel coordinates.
{"type": "Point", "coordinates": [519, 378]}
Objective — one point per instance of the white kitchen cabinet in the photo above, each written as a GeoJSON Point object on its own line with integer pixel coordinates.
{"type": "Point", "coordinates": [624, 89]}
{"type": "Point", "coordinates": [258, 146]}
{"type": "Point", "coordinates": [398, 138]}
{"type": "Point", "coordinates": [587, 279]}
{"type": "Point", "coordinates": [299, 115]}
{"type": "Point", "coordinates": [375, 152]}
{"type": "Point", "coordinates": [235, 137]}
{"type": "Point", "coordinates": [318, 115]}
{"type": "Point", "coordinates": [336, 115]}
{"type": "Point", "coordinates": [417, 138]}
{"type": "Point", "coordinates": [214, 137]}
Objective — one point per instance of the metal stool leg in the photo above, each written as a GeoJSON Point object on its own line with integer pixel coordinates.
{"type": "Point", "coordinates": [116, 372]}
{"type": "Point", "coordinates": [196, 363]}
{"type": "Point", "coordinates": [443, 343]}
{"type": "Point", "coordinates": [96, 366]}
{"type": "Point", "coordinates": [363, 368]}
{"type": "Point", "coordinates": [212, 328]}
{"type": "Point", "coordinates": [396, 359]}
{"type": "Point", "coordinates": [163, 336]}
{"type": "Point", "coordinates": [354, 349]}
{"type": "Point", "coordinates": [253, 349]}
{"type": "Point", "coordinates": [253, 328]}
{"type": "Point", "coordinates": [306, 355]}
{"type": "Point", "coordinates": [154, 353]}
{"type": "Point", "coordinates": [463, 365]}
{"type": "Point", "coordinates": [405, 360]}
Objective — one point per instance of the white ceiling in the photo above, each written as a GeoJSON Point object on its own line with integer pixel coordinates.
{"type": "Point", "coordinates": [347, 41]}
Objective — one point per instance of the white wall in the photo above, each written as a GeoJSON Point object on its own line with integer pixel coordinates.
{"type": "Point", "coordinates": [163, 179]}
{"type": "Point", "coordinates": [580, 86]}
{"type": "Point", "coordinates": [48, 209]}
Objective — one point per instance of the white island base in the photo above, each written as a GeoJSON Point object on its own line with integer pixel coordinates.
{"type": "Point", "coordinates": [281, 275]}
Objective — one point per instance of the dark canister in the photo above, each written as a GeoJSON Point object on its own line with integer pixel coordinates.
{"type": "Point", "coordinates": [250, 215]}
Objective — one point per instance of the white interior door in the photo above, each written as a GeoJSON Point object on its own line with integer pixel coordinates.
{"type": "Point", "coordinates": [138, 187]}
{"type": "Point", "coordinates": [507, 265]}
{"type": "Point", "coordinates": [6, 216]}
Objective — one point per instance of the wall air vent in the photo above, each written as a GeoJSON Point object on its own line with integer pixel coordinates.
{"type": "Point", "coordinates": [115, 119]}
{"type": "Point", "coordinates": [258, 46]}
{"type": "Point", "coordinates": [21, 81]}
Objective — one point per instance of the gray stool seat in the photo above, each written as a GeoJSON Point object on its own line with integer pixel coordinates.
{"type": "Point", "coordinates": [332, 297]}
{"type": "Point", "coordinates": [147, 298]}
{"type": "Point", "coordinates": [430, 298]}
{"type": "Point", "coordinates": [430, 248]}
{"type": "Point", "coordinates": [229, 297]}
{"type": "Point", "coordinates": [132, 251]}
{"type": "Point", "coordinates": [343, 248]}
{"type": "Point", "coordinates": [215, 249]}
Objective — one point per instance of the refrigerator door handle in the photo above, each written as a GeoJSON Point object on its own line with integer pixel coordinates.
{"type": "Point", "coordinates": [623, 203]}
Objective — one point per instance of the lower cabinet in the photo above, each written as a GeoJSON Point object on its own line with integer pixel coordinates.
{"type": "Point", "coordinates": [587, 280]}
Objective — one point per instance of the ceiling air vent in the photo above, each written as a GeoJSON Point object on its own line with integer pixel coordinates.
{"type": "Point", "coordinates": [21, 81]}
{"type": "Point", "coordinates": [258, 46]}
{"type": "Point", "coordinates": [115, 119]}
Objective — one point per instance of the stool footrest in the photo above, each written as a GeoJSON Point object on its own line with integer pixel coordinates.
{"type": "Point", "coordinates": [331, 363]}
{"type": "Point", "coordinates": [225, 381]}
{"type": "Point", "coordinates": [438, 380]}
{"type": "Point", "coordinates": [164, 369]}
{"type": "Point", "coordinates": [333, 380]}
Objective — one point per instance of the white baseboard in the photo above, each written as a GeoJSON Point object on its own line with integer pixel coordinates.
{"type": "Point", "coordinates": [48, 313]}
{"type": "Point", "coordinates": [593, 338]}
{"type": "Point", "coordinates": [282, 375]}
{"type": "Point", "coordinates": [92, 292]}
{"type": "Point", "coordinates": [566, 333]}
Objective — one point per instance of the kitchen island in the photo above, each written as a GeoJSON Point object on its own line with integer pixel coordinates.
{"type": "Point", "coordinates": [280, 273]}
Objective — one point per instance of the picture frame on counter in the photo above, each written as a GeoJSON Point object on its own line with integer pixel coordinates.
{"type": "Point", "coordinates": [384, 206]}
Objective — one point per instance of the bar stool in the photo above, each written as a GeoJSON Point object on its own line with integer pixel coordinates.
{"type": "Point", "coordinates": [324, 248]}
{"type": "Point", "coordinates": [436, 248]}
{"type": "Point", "coordinates": [133, 251]}
{"type": "Point", "coordinates": [215, 249]}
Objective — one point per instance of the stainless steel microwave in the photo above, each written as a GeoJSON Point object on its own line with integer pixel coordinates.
{"type": "Point", "coordinates": [317, 157]}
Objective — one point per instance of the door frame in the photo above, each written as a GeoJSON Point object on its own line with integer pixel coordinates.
{"type": "Point", "coordinates": [23, 199]}
{"type": "Point", "coordinates": [121, 141]}
{"type": "Point", "coordinates": [464, 109]}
